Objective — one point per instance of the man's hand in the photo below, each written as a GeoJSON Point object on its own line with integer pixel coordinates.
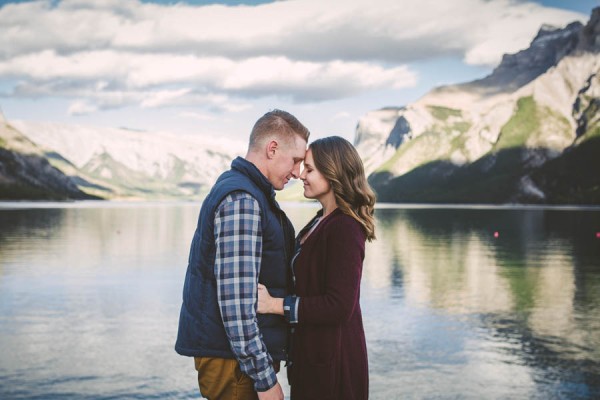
{"type": "Point", "coordinates": [267, 304]}
{"type": "Point", "coordinates": [275, 393]}
{"type": "Point", "coordinates": [264, 300]}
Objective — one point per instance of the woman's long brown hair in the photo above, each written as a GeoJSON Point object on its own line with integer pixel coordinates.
{"type": "Point", "coordinates": [338, 161]}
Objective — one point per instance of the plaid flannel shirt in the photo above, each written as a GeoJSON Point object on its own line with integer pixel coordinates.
{"type": "Point", "coordinates": [238, 239]}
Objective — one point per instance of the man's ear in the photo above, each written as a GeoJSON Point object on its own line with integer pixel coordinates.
{"type": "Point", "coordinates": [272, 147]}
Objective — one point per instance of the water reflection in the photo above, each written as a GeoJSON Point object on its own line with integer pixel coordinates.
{"type": "Point", "coordinates": [527, 299]}
{"type": "Point", "coordinates": [89, 301]}
{"type": "Point", "coordinates": [90, 296]}
{"type": "Point", "coordinates": [107, 237]}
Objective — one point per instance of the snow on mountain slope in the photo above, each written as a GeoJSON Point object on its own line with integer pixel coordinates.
{"type": "Point", "coordinates": [107, 153]}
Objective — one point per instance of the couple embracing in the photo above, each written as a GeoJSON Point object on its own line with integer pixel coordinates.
{"type": "Point", "coordinates": [255, 294]}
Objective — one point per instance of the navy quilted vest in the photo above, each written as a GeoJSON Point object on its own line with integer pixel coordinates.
{"type": "Point", "coordinates": [201, 331]}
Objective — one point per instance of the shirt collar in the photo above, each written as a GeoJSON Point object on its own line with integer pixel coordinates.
{"type": "Point", "coordinates": [249, 169]}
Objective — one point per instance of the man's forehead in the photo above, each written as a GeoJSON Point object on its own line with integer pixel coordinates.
{"type": "Point", "coordinates": [300, 141]}
{"type": "Point", "coordinates": [299, 147]}
{"type": "Point", "coordinates": [300, 154]}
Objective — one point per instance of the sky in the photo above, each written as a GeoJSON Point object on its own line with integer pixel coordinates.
{"type": "Point", "coordinates": [214, 67]}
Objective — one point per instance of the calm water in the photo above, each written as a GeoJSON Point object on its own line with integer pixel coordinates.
{"type": "Point", "coordinates": [90, 296]}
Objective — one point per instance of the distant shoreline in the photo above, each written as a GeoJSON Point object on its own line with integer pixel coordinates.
{"type": "Point", "coordinates": [28, 204]}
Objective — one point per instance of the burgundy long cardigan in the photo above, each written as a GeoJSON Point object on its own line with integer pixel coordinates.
{"type": "Point", "coordinates": [329, 351]}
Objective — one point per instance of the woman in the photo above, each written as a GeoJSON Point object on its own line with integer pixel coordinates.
{"type": "Point", "coordinates": [328, 351]}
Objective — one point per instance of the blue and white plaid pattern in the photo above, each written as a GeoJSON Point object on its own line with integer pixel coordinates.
{"type": "Point", "coordinates": [238, 239]}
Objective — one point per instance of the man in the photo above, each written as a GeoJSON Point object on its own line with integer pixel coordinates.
{"type": "Point", "coordinates": [242, 238]}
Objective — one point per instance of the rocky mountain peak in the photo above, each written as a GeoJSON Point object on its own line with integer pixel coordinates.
{"type": "Point", "coordinates": [528, 132]}
{"type": "Point", "coordinates": [550, 32]}
{"type": "Point", "coordinates": [548, 47]}
{"type": "Point", "coordinates": [590, 34]}
{"type": "Point", "coordinates": [376, 124]}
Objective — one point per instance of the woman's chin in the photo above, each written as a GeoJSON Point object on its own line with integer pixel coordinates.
{"type": "Point", "coordinates": [307, 195]}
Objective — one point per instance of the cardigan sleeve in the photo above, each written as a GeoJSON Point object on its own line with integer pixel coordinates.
{"type": "Point", "coordinates": [345, 249]}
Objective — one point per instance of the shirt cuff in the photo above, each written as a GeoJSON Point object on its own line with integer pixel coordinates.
{"type": "Point", "coordinates": [290, 309]}
{"type": "Point", "coordinates": [266, 383]}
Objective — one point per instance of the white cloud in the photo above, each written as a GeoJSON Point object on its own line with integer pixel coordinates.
{"type": "Point", "coordinates": [341, 115]}
{"type": "Point", "coordinates": [106, 69]}
{"type": "Point", "coordinates": [81, 108]}
{"type": "Point", "coordinates": [198, 116]}
{"type": "Point", "coordinates": [113, 53]}
{"type": "Point", "coordinates": [312, 80]}
{"type": "Point", "coordinates": [163, 97]}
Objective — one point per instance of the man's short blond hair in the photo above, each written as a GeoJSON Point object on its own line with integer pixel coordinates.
{"type": "Point", "coordinates": [279, 123]}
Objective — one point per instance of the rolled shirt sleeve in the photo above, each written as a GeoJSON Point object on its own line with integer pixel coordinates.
{"type": "Point", "coordinates": [290, 309]}
{"type": "Point", "coordinates": [238, 239]}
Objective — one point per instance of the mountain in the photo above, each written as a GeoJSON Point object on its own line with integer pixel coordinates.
{"type": "Point", "coordinates": [118, 163]}
{"type": "Point", "coordinates": [527, 133]}
{"type": "Point", "coordinates": [25, 173]}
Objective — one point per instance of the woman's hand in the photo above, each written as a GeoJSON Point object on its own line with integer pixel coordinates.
{"type": "Point", "coordinates": [266, 303]}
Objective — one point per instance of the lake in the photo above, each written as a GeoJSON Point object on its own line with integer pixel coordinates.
{"type": "Point", "coordinates": [458, 302]}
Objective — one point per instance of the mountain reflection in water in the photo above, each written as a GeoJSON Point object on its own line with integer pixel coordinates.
{"type": "Point", "coordinates": [90, 296]}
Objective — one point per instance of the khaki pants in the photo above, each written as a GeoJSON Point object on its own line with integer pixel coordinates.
{"type": "Point", "coordinates": [222, 379]}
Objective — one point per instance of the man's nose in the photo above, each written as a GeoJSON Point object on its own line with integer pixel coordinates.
{"type": "Point", "coordinates": [296, 171]}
